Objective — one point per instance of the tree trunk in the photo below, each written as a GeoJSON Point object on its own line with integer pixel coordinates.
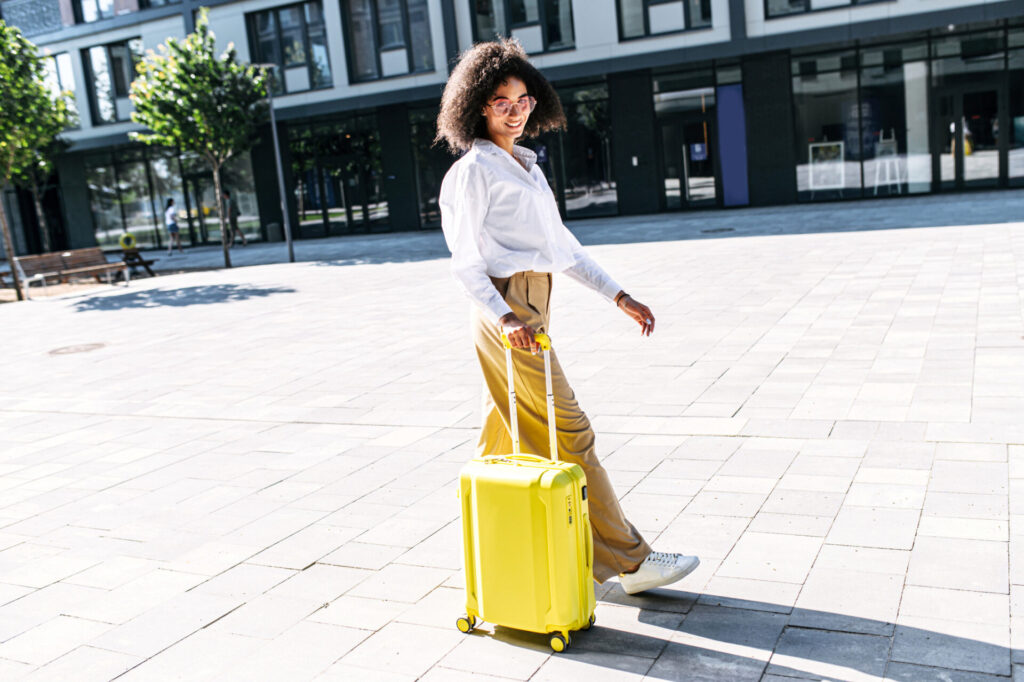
{"type": "Point", "coordinates": [9, 250]}
{"type": "Point", "coordinates": [44, 230]}
{"type": "Point", "coordinates": [225, 226]}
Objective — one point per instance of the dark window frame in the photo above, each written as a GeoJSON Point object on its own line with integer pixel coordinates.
{"type": "Point", "coordinates": [251, 19]}
{"type": "Point", "coordinates": [808, 10]}
{"type": "Point", "coordinates": [689, 28]}
{"type": "Point", "coordinates": [90, 79]}
{"type": "Point", "coordinates": [505, 6]}
{"type": "Point", "coordinates": [346, 22]}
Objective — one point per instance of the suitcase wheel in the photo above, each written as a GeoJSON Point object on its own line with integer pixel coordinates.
{"type": "Point", "coordinates": [559, 643]}
{"type": "Point", "coordinates": [466, 623]}
{"type": "Point", "coordinates": [590, 623]}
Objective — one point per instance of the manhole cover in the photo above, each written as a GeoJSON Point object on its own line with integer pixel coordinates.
{"type": "Point", "coordinates": [715, 230]}
{"type": "Point", "coordinates": [79, 348]}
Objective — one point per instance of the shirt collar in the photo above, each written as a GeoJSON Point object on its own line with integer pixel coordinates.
{"type": "Point", "coordinates": [527, 157]}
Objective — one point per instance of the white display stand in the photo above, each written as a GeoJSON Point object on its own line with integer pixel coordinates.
{"type": "Point", "coordinates": [887, 163]}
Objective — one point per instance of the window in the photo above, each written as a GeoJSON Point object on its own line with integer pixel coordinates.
{"type": "Point", "coordinates": [294, 39]}
{"type": "Point", "coordinates": [540, 25]}
{"type": "Point", "coordinates": [643, 18]}
{"type": "Point", "coordinates": [110, 70]}
{"type": "Point", "coordinates": [60, 78]}
{"type": "Point", "coordinates": [782, 8]}
{"type": "Point", "coordinates": [387, 38]}
{"type": "Point", "coordinates": [87, 11]}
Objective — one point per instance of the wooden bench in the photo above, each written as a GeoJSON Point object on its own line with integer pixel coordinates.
{"type": "Point", "coordinates": [63, 266]}
{"type": "Point", "coordinates": [90, 262]}
{"type": "Point", "coordinates": [133, 259]}
{"type": "Point", "coordinates": [39, 268]}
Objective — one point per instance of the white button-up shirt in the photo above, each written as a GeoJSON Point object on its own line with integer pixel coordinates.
{"type": "Point", "coordinates": [500, 217]}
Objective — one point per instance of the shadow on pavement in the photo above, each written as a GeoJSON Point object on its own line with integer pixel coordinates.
{"type": "Point", "coordinates": [183, 297]}
{"type": "Point", "coordinates": [733, 640]}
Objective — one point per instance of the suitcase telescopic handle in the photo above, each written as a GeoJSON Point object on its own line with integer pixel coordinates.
{"type": "Point", "coordinates": [545, 344]}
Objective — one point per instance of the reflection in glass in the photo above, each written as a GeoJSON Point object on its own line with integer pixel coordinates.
{"type": "Point", "coordinates": [419, 32]}
{"type": "Point", "coordinates": [337, 176]}
{"type": "Point", "coordinates": [631, 18]}
{"type": "Point", "coordinates": [363, 46]}
{"type": "Point", "coordinates": [489, 19]}
{"type": "Point", "coordinates": [894, 118]}
{"type": "Point", "coordinates": [779, 8]}
{"type": "Point", "coordinates": [1016, 116]}
{"type": "Point", "coordinates": [101, 84]}
{"type": "Point", "coordinates": [106, 210]}
{"type": "Point", "coordinates": [980, 133]}
{"type": "Point", "coordinates": [558, 17]}
{"type": "Point", "coordinates": [577, 162]}
{"type": "Point", "coordinates": [389, 21]}
{"type": "Point", "coordinates": [700, 13]}
{"type": "Point", "coordinates": [827, 134]}
{"type": "Point", "coordinates": [432, 162]}
{"type": "Point", "coordinates": [93, 10]}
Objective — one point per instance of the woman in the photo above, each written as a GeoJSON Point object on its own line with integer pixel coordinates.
{"type": "Point", "coordinates": [502, 226]}
{"type": "Point", "coordinates": [171, 221]}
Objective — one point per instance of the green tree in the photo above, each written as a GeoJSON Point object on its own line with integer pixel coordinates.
{"type": "Point", "coordinates": [194, 101]}
{"type": "Point", "coordinates": [31, 117]}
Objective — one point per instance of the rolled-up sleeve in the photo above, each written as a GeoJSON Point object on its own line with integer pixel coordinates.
{"type": "Point", "coordinates": [587, 272]}
{"type": "Point", "coordinates": [463, 200]}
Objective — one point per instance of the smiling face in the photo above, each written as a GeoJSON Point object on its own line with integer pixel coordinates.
{"type": "Point", "coordinates": [505, 130]}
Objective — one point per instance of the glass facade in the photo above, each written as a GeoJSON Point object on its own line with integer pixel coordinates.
{"type": "Point", "coordinates": [1016, 116]}
{"type": "Point", "coordinates": [432, 162]}
{"type": "Point", "coordinates": [903, 118]}
{"type": "Point", "coordinates": [111, 70]}
{"type": "Point", "coordinates": [577, 161]}
{"type": "Point", "coordinates": [129, 187]}
{"type": "Point", "coordinates": [293, 38]}
{"type": "Point", "coordinates": [540, 25]}
{"type": "Point", "coordinates": [387, 38]}
{"type": "Point", "coordinates": [337, 175]}
{"type": "Point", "coordinates": [642, 18]}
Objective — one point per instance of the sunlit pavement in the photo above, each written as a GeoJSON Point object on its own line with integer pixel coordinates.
{"type": "Point", "coordinates": [250, 473]}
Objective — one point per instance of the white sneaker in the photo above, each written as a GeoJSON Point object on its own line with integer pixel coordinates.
{"type": "Point", "coordinates": [659, 568]}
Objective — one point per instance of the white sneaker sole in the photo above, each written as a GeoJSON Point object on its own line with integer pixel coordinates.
{"type": "Point", "coordinates": [661, 581]}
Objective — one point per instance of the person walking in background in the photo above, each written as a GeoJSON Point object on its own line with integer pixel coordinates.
{"type": "Point", "coordinates": [231, 208]}
{"type": "Point", "coordinates": [502, 226]}
{"type": "Point", "coordinates": [171, 222]}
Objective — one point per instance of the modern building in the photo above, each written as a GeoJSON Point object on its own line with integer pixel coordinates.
{"type": "Point", "coordinates": [673, 105]}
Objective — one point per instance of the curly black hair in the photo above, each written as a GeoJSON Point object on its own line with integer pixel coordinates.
{"type": "Point", "coordinates": [480, 71]}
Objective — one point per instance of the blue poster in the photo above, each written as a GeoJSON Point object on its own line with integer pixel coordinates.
{"type": "Point", "coordinates": [698, 152]}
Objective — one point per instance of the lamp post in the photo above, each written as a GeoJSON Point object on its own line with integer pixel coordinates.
{"type": "Point", "coordinates": [285, 216]}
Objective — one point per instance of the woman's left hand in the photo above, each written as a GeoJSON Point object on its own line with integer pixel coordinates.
{"type": "Point", "coordinates": [639, 312]}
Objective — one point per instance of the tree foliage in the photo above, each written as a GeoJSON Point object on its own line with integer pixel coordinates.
{"type": "Point", "coordinates": [195, 101]}
{"type": "Point", "coordinates": [31, 118]}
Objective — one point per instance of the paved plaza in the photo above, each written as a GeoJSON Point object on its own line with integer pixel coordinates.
{"type": "Point", "coordinates": [250, 474]}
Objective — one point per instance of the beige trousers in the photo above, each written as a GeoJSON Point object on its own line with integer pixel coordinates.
{"type": "Point", "coordinates": [618, 546]}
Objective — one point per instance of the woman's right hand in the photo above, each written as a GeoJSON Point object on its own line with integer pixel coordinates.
{"type": "Point", "coordinates": [520, 334]}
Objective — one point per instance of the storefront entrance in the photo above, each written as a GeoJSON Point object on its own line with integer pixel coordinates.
{"type": "Point", "coordinates": [968, 150]}
{"type": "Point", "coordinates": [689, 160]}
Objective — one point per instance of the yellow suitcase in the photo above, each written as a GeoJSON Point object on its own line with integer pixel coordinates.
{"type": "Point", "coordinates": [527, 547]}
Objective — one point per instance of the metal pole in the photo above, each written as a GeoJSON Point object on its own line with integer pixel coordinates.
{"type": "Point", "coordinates": [285, 217]}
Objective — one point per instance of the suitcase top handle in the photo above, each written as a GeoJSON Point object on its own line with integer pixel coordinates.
{"type": "Point", "coordinates": [545, 343]}
{"type": "Point", "coordinates": [543, 339]}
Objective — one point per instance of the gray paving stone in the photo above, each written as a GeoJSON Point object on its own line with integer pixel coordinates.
{"type": "Point", "coordinates": [821, 654]}
{"type": "Point", "coordinates": [803, 385]}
